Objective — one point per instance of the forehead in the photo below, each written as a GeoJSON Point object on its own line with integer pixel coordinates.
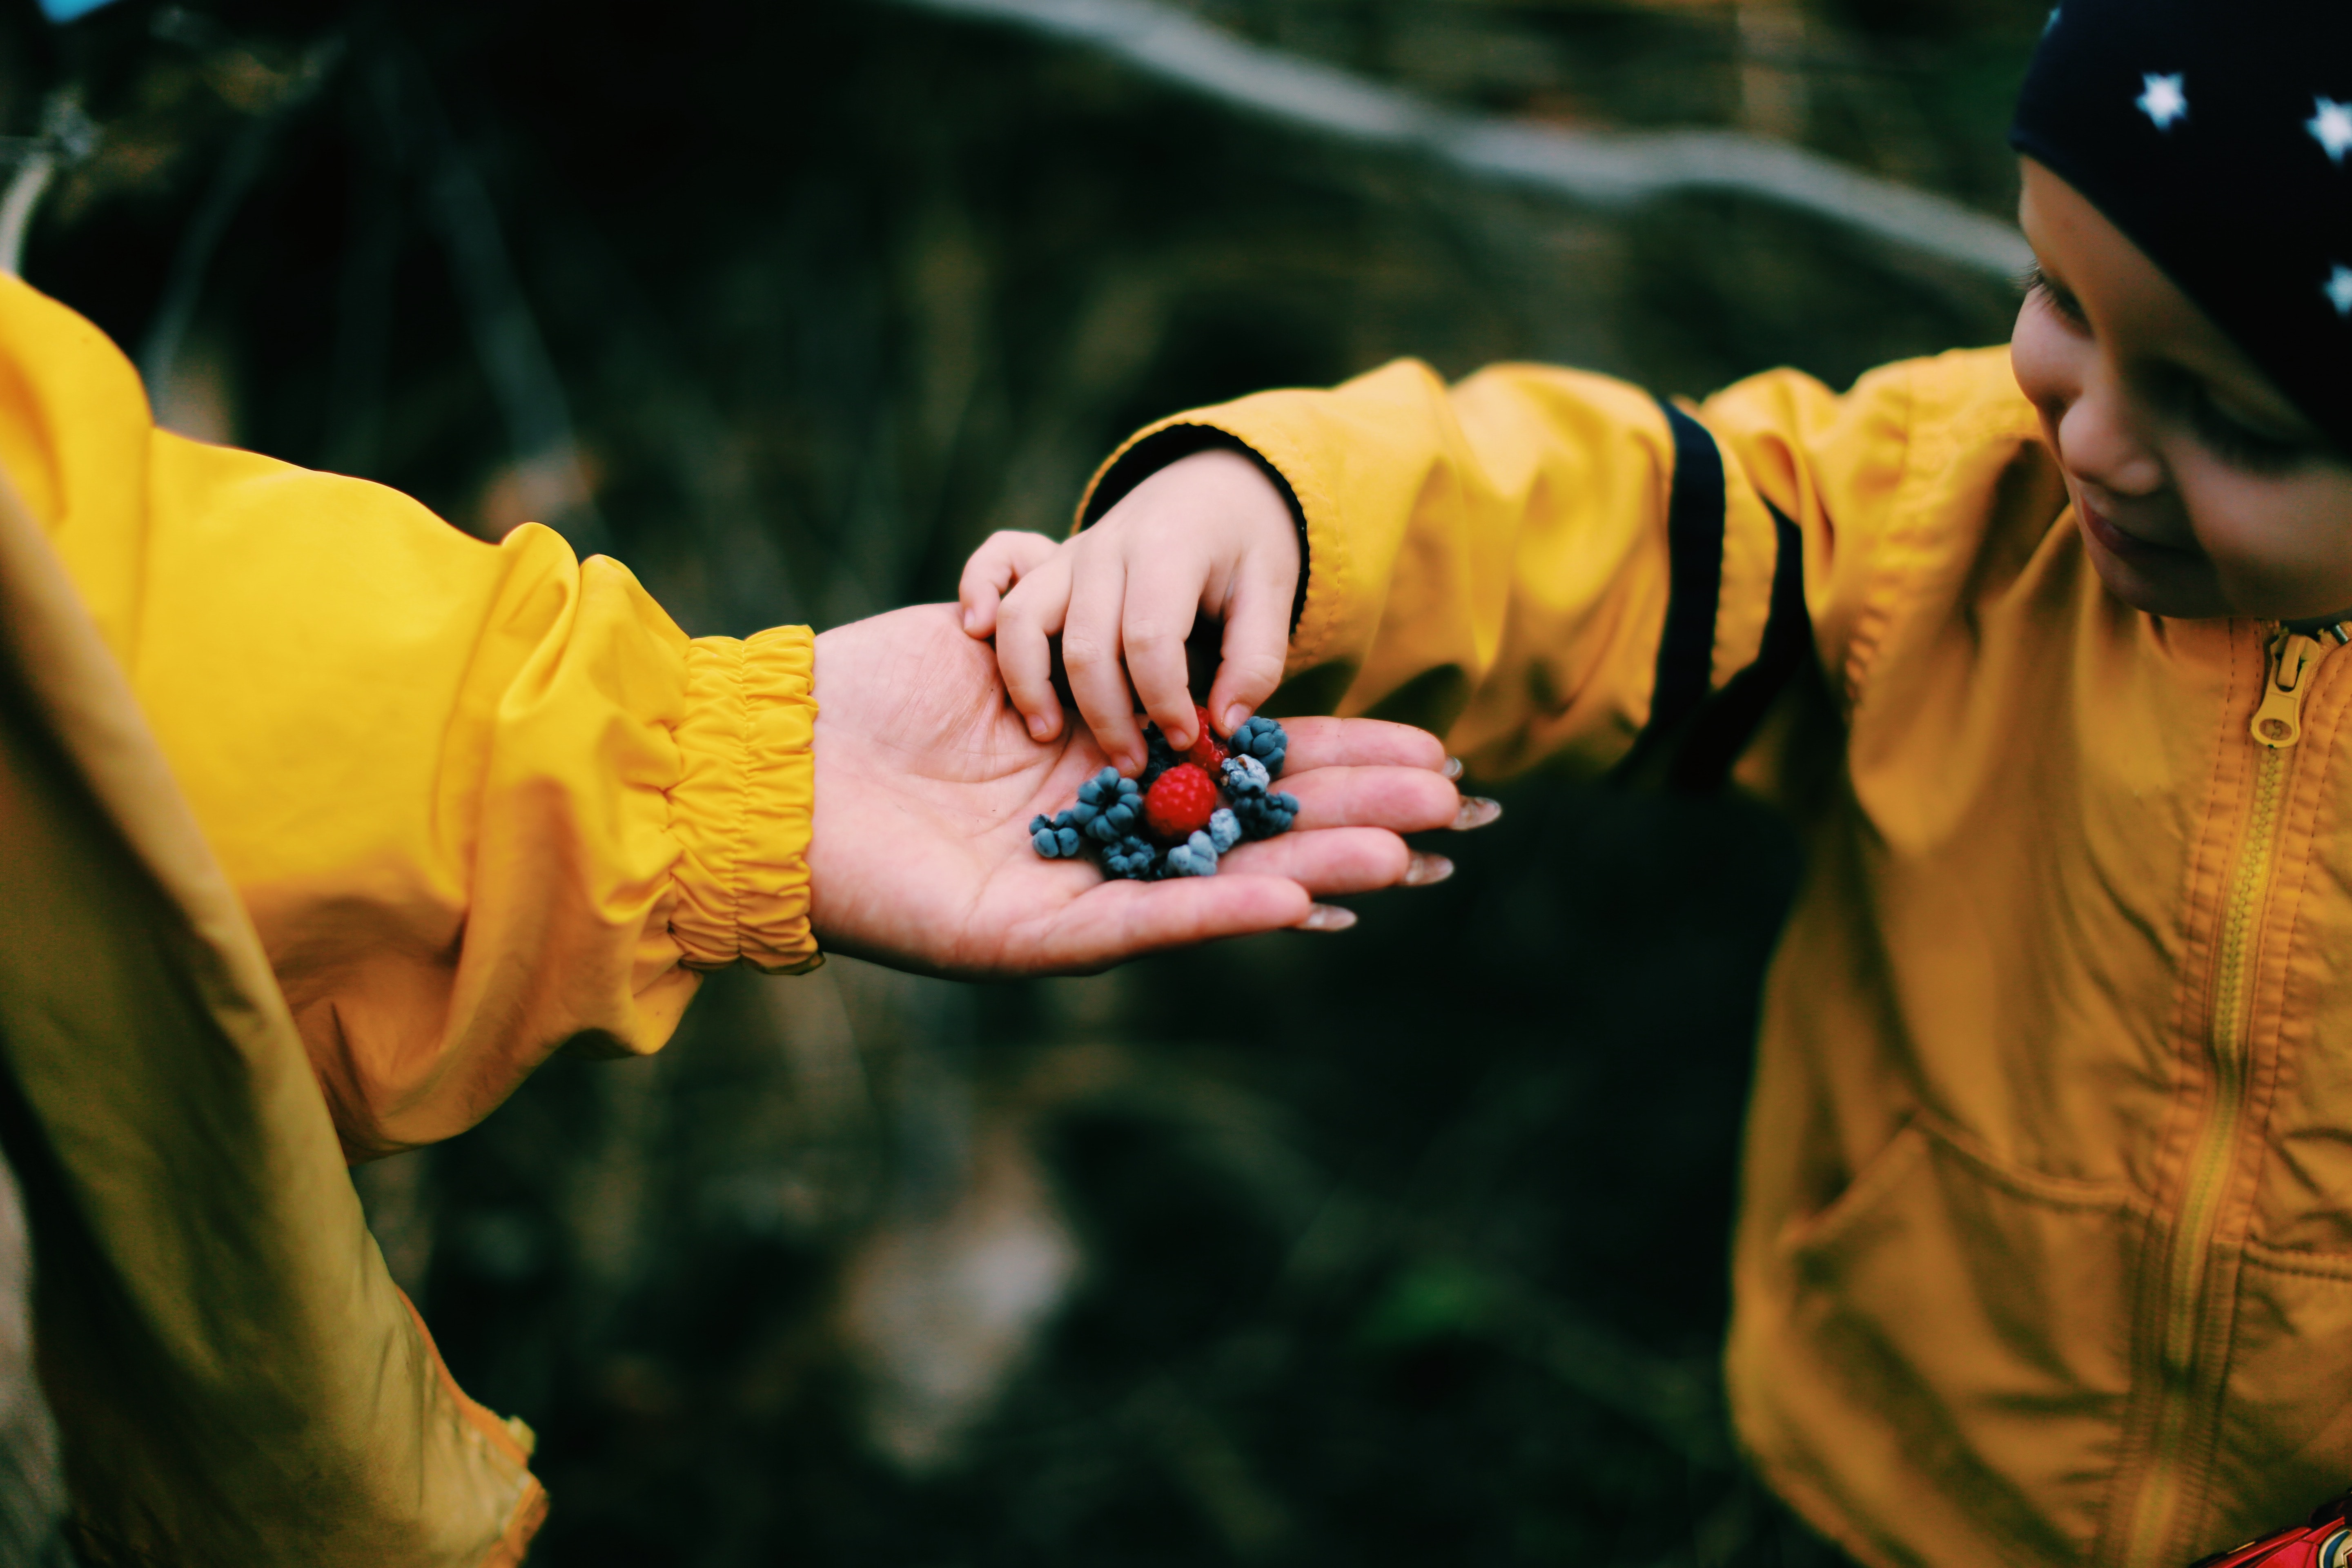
{"type": "Point", "coordinates": [2140, 311]}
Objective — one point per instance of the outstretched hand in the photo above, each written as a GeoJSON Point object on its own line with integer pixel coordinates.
{"type": "Point", "coordinates": [927, 780]}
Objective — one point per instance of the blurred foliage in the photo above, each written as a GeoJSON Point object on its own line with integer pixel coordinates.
{"type": "Point", "coordinates": [1400, 1247]}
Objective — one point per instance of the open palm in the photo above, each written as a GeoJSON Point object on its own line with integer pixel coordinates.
{"type": "Point", "coordinates": [926, 780]}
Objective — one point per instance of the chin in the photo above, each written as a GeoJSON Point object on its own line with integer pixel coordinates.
{"type": "Point", "coordinates": [2158, 590]}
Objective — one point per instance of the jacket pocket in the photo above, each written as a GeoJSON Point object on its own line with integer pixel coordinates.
{"type": "Point", "coordinates": [1971, 1323]}
{"type": "Point", "coordinates": [2285, 1436]}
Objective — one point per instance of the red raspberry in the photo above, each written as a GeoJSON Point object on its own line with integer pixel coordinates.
{"type": "Point", "coordinates": [1178, 803]}
{"type": "Point", "coordinates": [1208, 752]}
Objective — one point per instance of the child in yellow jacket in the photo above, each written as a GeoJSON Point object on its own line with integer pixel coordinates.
{"type": "Point", "coordinates": [2046, 1247]}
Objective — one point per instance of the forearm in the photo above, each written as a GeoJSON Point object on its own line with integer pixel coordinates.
{"type": "Point", "coordinates": [1542, 562]}
{"type": "Point", "coordinates": [479, 800]}
{"type": "Point", "coordinates": [1490, 559]}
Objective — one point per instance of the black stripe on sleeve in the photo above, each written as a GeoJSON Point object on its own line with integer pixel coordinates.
{"type": "Point", "coordinates": [1731, 721]}
{"type": "Point", "coordinates": [1695, 563]}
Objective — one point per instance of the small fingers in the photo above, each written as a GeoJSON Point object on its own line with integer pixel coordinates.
{"type": "Point", "coordinates": [1090, 654]}
{"type": "Point", "coordinates": [1249, 664]}
{"type": "Point", "coordinates": [1160, 607]}
{"type": "Point", "coordinates": [1025, 623]}
{"type": "Point", "coordinates": [1003, 559]}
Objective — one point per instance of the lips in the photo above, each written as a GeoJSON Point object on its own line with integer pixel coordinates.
{"type": "Point", "coordinates": [2117, 542]}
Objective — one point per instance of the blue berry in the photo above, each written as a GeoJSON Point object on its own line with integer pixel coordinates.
{"type": "Point", "coordinates": [1054, 837]}
{"type": "Point", "coordinates": [1109, 807]}
{"type": "Point", "coordinates": [1264, 815]}
{"type": "Point", "coordinates": [1263, 739]}
{"type": "Point", "coordinates": [1159, 755]}
{"type": "Point", "coordinates": [1132, 857]}
{"type": "Point", "coordinates": [1104, 789]}
{"type": "Point", "coordinates": [1196, 857]}
{"type": "Point", "coordinates": [1109, 810]}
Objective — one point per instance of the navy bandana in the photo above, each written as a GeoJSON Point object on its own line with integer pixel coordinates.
{"type": "Point", "coordinates": [2219, 138]}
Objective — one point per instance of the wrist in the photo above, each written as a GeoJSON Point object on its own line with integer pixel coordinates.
{"type": "Point", "coordinates": [1152, 454]}
{"type": "Point", "coordinates": [1243, 494]}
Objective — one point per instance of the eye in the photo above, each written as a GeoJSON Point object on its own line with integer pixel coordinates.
{"type": "Point", "coordinates": [2336, 1551]}
{"type": "Point", "coordinates": [2237, 443]}
{"type": "Point", "coordinates": [2038, 286]}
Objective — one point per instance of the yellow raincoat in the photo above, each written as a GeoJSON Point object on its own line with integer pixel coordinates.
{"type": "Point", "coordinates": [302, 789]}
{"type": "Point", "coordinates": [2044, 1253]}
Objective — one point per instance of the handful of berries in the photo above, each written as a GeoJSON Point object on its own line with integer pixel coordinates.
{"type": "Point", "coordinates": [1169, 823]}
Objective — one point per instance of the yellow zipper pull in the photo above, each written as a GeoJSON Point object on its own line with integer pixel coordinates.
{"type": "Point", "coordinates": [2278, 721]}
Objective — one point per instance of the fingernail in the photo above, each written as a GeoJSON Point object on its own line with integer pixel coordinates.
{"type": "Point", "coordinates": [1236, 717]}
{"type": "Point", "coordinates": [1327, 917]}
{"type": "Point", "coordinates": [971, 619]}
{"type": "Point", "coordinates": [1477, 812]}
{"type": "Point", "coordinates": [1423, 870]}
{"type": "Point", "coordinates": [1452, 767]}
{"type": "Point", "coordinates": [1038, 727]}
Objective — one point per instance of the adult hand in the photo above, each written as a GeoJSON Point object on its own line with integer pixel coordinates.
{"type": "Point", "coordinates": [927, 780]}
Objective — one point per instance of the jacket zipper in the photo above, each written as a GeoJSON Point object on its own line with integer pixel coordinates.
{"type": "Point", "coordinates": [2276, 726]}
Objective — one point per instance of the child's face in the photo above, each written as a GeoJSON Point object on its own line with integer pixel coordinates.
{"type": "Point", "coordinates": [2199, 489]}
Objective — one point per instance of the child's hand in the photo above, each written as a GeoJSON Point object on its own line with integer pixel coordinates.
{"type": "Point", "coordinates": [1209, 533]}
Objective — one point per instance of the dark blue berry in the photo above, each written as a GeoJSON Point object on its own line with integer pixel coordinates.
{"type": "Point", "coordinates": [1159, 755]}
{"type": "Point", "coordinates": [1131, 857]}
{"type": "Point", "coordinates": [1263, 816]}
{"type": "Point", "coordinates": [1264, 739]}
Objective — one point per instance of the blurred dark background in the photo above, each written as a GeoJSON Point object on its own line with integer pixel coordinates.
{"type": "Point", "coordinates": [1400, 1247]}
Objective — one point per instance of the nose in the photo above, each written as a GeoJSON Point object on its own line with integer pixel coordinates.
{"type": "Point", "coordinates": [2099, 441]}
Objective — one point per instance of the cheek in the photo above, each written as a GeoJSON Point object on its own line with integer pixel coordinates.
{"type": "Point", "coordinates": [2042, 356]}
{"type": "Point", "coordinates": [2281, 547]}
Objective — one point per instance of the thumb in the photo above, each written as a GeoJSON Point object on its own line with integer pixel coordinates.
{"type": "Point", "coordinates": [1003, 559]}
{"type": "Point", "coordinates": [1115, 922]}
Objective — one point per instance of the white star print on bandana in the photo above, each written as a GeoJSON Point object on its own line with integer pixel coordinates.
{"type": "Point", "coordinates": [2332, 127]}
{"type": "Point", "coordinates": [2162, 100]}
{"type": "Point", "coordinates": [2217, 138]}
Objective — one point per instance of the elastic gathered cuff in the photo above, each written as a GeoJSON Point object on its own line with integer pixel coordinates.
{"type": "Point", "coordinates": [740, 811]}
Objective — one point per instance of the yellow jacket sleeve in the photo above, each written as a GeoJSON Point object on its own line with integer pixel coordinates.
{"type": "Point", "coordinates": [479, 800]}
{"type": "Point", "coordinates": [1541, 562]}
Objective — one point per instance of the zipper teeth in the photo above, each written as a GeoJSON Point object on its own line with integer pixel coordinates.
{"type": "Point", "coordinates": [2201, 1200]}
